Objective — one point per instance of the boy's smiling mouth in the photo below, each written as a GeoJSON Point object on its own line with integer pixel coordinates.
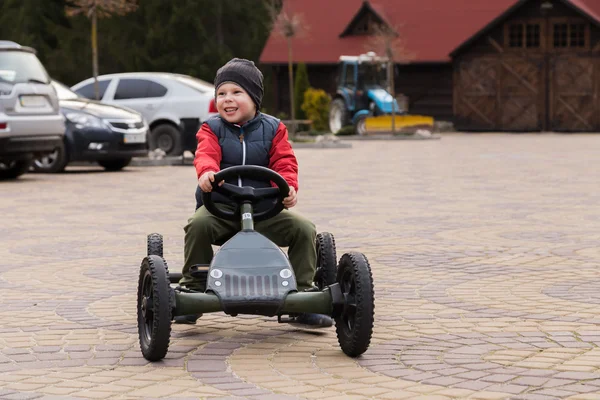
{"type": "Point", "coordinates": [230, 109]}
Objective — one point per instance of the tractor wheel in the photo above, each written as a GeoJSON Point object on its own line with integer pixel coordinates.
{"type": "Point", "coordinates": [360, 125]}
{"type": "Point", "coordinates": [338, 115]}
{"type": "Point", "coordinates": [354, 325]}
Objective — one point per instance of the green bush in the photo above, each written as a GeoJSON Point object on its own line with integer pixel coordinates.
{"type": "Point", "coordinates": [346, 130]}
{"type": "Point", "coordinates": [301, 85]}
{"type": "Point", "coordinates": [316, 106]}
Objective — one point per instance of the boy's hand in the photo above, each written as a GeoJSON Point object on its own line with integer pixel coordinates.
{"type": "Point", "coordinates": [292, 198]}
{"type": "Point", "coordinates": [205, 181]}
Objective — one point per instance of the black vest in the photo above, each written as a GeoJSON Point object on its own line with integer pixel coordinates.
{"type": "Point", "coordinates": [249, 144]}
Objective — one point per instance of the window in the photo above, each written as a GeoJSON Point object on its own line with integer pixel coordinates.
{"type": "Point", "coordinates": [349, 78]}
{"type": "Point", "coordinates": [565, 35]}
{"type": "Point", "coordinates": [515, 35]}
{"type": "Point", "coordinates": [138, 89]}
{"type": "Point", "coordinates": [524, 35]}
{"type": "Point", "coordinates": [156, 90]}
{"type": "Point", "coordinates": [132, 89]}
{"type": "Point", "coordinates": [21, 67]}
{"type": "Point", "coordinates": [366, 25]}
{"type": "Point", "coordinates": [87, 91]}
{"type": "Point", "coordinates": [532, 35]}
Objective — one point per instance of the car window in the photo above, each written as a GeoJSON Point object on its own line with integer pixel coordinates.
{"type": "Point", "coordinates": [21, 66]}
{"type": "Point", "coordinates": [87, 91]}
{"type": "Point", "coordinates": [138, 89]}
{"type": "Point", "coordinates": [156, 90]}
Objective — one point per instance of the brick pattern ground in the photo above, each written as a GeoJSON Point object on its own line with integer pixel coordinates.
{"type": "Point", "coordinates": [484, 249]}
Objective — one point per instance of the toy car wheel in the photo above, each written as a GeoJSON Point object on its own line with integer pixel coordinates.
{"type": "Point", "coordinates": [326, 260]}
{"type": "Point", "coordinates": [154, 308]}
{"type": "Point", "coordinates": [354, 325]}
{"type": "Point", "coordinates": [155, 244]}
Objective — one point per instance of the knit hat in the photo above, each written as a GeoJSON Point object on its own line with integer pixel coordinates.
{"type": "Point", "coordinates": [244, 73]}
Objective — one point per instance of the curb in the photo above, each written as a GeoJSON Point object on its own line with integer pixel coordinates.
{"type": "Point", "coordinates": [434, 136]}
{"type": "Point", "coordinates": [321, 145]}
{"type": "Point", "coordinates": [382, 136]}
{"type": "Point", "coordinates": [150, 162]}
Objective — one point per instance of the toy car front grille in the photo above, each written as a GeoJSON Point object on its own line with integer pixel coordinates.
{"type": "Point", "coordinates": [244, 286]}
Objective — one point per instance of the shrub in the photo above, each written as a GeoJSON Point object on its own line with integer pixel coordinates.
{"type": "Point", "coordinates": [301, 85]}
{"type": "Point", "coordinates": [316, 106]}
{"type": "Point", "coordinates": [347, 130]}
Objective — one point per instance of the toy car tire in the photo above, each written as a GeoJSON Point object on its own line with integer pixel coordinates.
{"type": "Point", "coordinates": [325, 273]}
{"type": "Point", "coordinates": [354, 325]}
{"type": "Point", "coordinates": [154, 308]}
{"type": "Point", "coordinates": [155, 244]}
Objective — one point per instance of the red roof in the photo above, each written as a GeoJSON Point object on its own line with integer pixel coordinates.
{"type": "Point", "coordinates": [431, 29]}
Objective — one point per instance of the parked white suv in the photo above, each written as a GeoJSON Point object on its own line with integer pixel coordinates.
{"type": "Point", "coordinates": [173, 104]}
{"type": "Point", "coordinates": [31, 125]}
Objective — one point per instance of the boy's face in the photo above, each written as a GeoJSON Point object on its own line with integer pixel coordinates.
{"type": "Point", "coordinates": [234, 104]}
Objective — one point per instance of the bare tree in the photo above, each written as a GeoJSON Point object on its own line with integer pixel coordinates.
{"type": "Point", "coordinates": [95, 9]}
{"type": "Point", "coordinates": [287, 24]}
{"type": "Point", "coordinates": [387, 41]}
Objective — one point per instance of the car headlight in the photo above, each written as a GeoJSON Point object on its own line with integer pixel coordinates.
{"type": "Point", "coordinates": [82, 120]}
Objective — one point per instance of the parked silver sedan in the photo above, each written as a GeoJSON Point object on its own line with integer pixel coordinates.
{"type": "Point", "coordinates": [173, 104]}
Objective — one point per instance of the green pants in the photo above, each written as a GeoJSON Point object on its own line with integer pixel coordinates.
{"type": "Point", "coordinates": [287, 229]}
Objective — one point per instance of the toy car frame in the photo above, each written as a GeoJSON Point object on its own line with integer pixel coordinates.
{"type": "Point", "coordinates": [251, 275]}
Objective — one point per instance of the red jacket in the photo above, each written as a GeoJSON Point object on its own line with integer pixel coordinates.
{"type": "Point", "coordinates": [281, 156]}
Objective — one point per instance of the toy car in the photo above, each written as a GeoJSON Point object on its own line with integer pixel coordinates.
{"type": "Point", "coordinates": [251, 275]}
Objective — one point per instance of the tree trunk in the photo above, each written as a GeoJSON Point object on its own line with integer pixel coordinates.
{"type": "Point", "coordinates": [95, 52]}
{"type": "Point", "coordinates": [291, 76]}
{"type": "Point", "coordinates": [392, 86]}
{"type": "Point", "coordinates": [219, 23]}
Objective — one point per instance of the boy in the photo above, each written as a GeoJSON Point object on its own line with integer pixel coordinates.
{"type": "Point", "coordinates": [242, 135]}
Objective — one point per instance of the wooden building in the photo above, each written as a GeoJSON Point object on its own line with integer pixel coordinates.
{"type": "Point", "coordinates": [508, 65]}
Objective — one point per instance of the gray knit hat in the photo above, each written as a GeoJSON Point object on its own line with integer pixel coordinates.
{"type": "Point", "coordinates": [245, 74]}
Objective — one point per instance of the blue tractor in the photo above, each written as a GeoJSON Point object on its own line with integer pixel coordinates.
{"type": "Point", "coordinates": [361, 94]}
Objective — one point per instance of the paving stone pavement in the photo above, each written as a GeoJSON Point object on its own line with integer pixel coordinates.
{"type": "Point", "coordinates": [484, 249]}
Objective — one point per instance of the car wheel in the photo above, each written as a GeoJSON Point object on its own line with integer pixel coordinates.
{"type": "Point", "coordinates": [13, 169]}
{"type": "Point", "coordinates": [53, 162]}
{"type": "Point", "coordinates": [167, 138]}
{"type": "Point", "coordinates": [115, 165]}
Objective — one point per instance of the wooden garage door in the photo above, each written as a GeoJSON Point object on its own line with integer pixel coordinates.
{"type": "Point", "coordinates": [501, 92]}
{"type": "Point", "coordinates": [574, 94]}
{"type": "Point", "coordinates": [522, 93]}
{"type": "Point", "coordinates": [476, 93]}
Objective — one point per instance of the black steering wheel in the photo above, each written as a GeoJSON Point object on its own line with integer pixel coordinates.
{"type": "Point", "coordinates": [247, 193]}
